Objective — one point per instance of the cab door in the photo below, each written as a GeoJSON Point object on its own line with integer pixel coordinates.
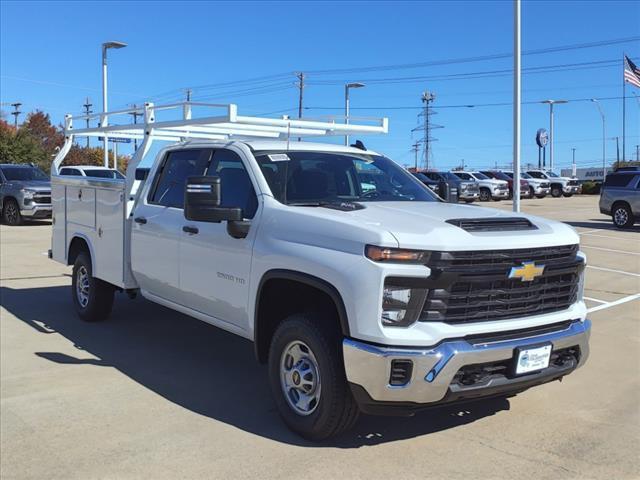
{"type": "Point", "coordinates": [214, 266]}
{"type": "Point", "coordinates": [157, 224]}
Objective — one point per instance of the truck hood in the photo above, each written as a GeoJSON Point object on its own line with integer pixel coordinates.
{"type": "Point", "coordinates": [39, 185]}
{"type": "Point", "coordinates": [422, 225]}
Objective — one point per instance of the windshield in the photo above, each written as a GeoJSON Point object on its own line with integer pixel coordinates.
{"type": "Point", "coordinates": [423, 178]}
{"type": "Point", "coordinates": [94, 172]}
{"type": "Point", "coordinates": [525, 175]}
{"type": "Point", "coordinates": [463, 176]}
{"type": "Point", "coordinates": [299, 178]}
{"type": "Point", "coordinates": [24, 173]}
{"type": "Point", "coordinates": [480, 176]}
{"type": "Point", "coordinates": [552, 174]}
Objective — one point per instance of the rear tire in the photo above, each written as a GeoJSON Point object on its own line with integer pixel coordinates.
{"type": "Point", "coordinates": [92, 297]}
{"type": "Point", "coordinates": [307, 377]}
{"type": "Point", "coordinates": [622, 216]}
{"type": "Point", "coordinates": [11, 213]}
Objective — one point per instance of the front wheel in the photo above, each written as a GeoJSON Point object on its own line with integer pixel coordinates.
{"type": "Point", "coordinates": [540, 196]}
{"type": "Point", "coordinates": [485, 195]}
{"type": "Point", "coordinates": [556, 191]}
{"type": "Point", "coordinates": [11, 213]}
{"type": "Point", "coordinates": [567, 195]}
{"type": "Point", "coordinates": [622, 216]}
{"type": "Point", "coordinates": [307, 377]}
{"type": "Point", "coordinates": [92, 297]}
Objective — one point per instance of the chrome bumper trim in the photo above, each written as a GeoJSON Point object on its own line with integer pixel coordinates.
{"type": "Point", "coordinates": [434, 368]}
{"type": "Point", "coordinates": [36, 210]}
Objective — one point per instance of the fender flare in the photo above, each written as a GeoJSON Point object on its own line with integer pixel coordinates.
{"type": "Point", "coordinates": [307, 279]}
{"type": "Point", "coordinates": [89, 245]}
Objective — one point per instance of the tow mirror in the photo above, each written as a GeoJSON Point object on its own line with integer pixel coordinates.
{"type": "Point", "coordinates": [202, 201]}
{"type": "Point", "coordinates": [142, 173]}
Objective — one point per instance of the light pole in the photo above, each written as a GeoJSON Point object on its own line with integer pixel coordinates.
{"type": "Point", "coordinates": [573, 163]}
{"type": "Point", "coordinates": [106, 46]}
{"type": "Point", "coordinates": [346, 104]}
{"type": "Point", "coordinates": [604, 139]}
{"type": "Point", "coordinates": [551, 104]}
{"type": "Point", "coordinates": [517, 91]}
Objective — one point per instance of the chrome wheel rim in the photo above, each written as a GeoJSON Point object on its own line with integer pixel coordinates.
{"type": "Point", "coordinates": [300, 378]}
{"type": "Point", "coordinates": [12, 212]}
{"type": "Point", "coordinates": [621, 217]}
{"type": "Point", "coordinates": [82, 286]}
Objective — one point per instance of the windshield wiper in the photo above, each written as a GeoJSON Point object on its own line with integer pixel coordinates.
{"type": "Point", "coordinates": [345, 206]}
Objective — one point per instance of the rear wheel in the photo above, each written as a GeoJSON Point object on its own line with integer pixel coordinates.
{"type": "Point", "coordinates": [556, 191]}
{"type": "Point", "coordinates": [11, 212]}
{"type": "Point", "coordinates": [622, 216]}
{"type": "Point", "coordinates": [485, 195]}
{"type": "Point", "coordinates": [92, 297]}
{"type": "Point", "coordinates": [307, 377]}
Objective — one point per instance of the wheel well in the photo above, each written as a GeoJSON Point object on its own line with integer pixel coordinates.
{"type": "Point", "coordinates": [619, 203]}
{"type": "Point", "coordinates": [556, 185]}
{"type": "Point", "coordinates": [486, 188]}
{"type": "Point", "coordinates": [9, 197]}
{"type": "Point", "coordinates": [288, 293]}
{"type": "Point", "coordinates": [78, 245]}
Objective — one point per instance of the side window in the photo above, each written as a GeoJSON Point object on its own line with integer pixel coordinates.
{"type": "Point", "coordinates": [237, 189]}
{"type": "Point", "coordinates": [168, 188]}
{"type": "Point", "coordinates": [617, 180]}
{"type": "Point", "coordinates": [70, 171]}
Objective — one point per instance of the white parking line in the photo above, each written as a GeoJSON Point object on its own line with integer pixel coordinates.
{"type": "Point", "coordinates": [610, 250]}
{"type": "Point", "coordinates": [595, 300]}
{"type": "Point", "coordinates": [600, 236]}
{"type": "Point", "coordinates": [613, 304]}
{"type": "Point", "coordinates": [588, 231]}
{"type": "Point", "coordinates": [614, 271]}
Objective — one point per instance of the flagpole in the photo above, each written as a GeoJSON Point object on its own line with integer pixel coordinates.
{"type": "Point", "coordinates": [624, 109]}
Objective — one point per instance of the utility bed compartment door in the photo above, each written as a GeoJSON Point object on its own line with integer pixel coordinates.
{"type": "Point", "coordinates": [81, 206]}
{"type": "Point", "coordinates": [109, 238]}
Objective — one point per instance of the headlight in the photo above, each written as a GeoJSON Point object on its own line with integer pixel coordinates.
{"type": "Point", "coordinates": [395, 255]}
{"type": "Point", "coordinates": [401, 306]}
{"type": "Point", "coordinates": [27, 193]}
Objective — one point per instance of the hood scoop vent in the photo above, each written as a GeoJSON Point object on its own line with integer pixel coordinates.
{"type": "Point", "coordinates": [497, 224]}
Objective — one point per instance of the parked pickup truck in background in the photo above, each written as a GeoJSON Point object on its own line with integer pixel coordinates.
{"type": "Point", "coordinates": [25, 193]}
{"type": "Point", "coordinates": [468, 190]}
{"type": "Point", "coordinates": [539, 188]}
{"type": "Point", "coordinates": [359, 289]}
{"type": "Point", "coordinates": [490, 188]}
{"type": "Point", "coordinates": [500, 175]}
{"type": "Point", "coordinates": [559, 185]}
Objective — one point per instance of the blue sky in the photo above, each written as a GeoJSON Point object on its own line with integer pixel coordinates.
{"type": "Point", "coordinates": [50, 60]}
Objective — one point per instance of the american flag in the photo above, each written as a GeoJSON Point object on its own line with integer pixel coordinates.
{"type": "Point", "coordinates": [631, 72]}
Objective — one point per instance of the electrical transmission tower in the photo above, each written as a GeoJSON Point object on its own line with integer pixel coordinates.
{"type": "Point", "coordinates": [15, 113]}
{"type": "Point", "coordinates": [426, 127]}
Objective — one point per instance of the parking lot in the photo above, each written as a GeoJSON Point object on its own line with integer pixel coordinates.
{"type": "Point", "coordinates": [155, 394]}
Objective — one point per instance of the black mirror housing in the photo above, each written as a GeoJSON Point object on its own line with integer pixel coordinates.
{"type": "Point", "coordinates": [202, 201]}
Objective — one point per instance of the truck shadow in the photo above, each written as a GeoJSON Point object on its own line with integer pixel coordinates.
{"type": "Point", "coordinates": [202, 368]}
{"type": "Point", "coordinates": [603, 224]}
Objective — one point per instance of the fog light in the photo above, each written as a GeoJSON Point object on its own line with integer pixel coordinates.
{"type": "Point", "coordinates": [401, 306]}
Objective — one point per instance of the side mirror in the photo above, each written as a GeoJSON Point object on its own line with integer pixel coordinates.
{"type": "Point", "coordinates": [202, 201]}
{"type": "Point", "coordinates": [142, 173]}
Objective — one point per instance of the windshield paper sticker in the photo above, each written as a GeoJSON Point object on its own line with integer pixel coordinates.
{"type": "Point", "coordinates": [279, 157]}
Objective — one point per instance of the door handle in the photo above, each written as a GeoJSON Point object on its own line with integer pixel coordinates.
{"type": "Point", "coordinates": [140, 220]}
{"type": "Point", "coordinates": [191, 230]}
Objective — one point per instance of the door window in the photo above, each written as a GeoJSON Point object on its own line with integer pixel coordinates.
{"type": "Point", "coordinates": [169, 184]}
{"type": "Point", "coordinates": [236, 187]}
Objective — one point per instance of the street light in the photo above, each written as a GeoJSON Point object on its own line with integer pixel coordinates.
{"type": "Point", "coordinates": [604, 139]}
{"type": "Point", "coordinates": [551, 104]}
{"type": "Point", "coordinates": [106, 46]}
{"type": "Point", "coordinates": [346, 104]}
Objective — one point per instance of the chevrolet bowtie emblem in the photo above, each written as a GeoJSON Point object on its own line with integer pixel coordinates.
{"type": "Point", "coordinates": [528, 272]}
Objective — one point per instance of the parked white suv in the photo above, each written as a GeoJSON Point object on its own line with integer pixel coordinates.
{"type": "Point", "coordinates": [490, 188]}
{"type": "Point", "coordinates": [559, 185]}
{"type": "Point", "coordinates": [91, 171]}
{"type": "Point", "coordinates": [359, 288]}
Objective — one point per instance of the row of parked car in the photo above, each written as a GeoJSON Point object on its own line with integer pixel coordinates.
{"type": "Point", "coordinates": [486, 185]}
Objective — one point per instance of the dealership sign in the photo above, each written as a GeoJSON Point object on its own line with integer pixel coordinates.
{"type": "Point", "coordinates": [584, 174]}
{"type": "Point", "coordinates": [542, 137]}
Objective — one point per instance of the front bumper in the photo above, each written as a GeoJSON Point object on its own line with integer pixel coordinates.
{"type": "Point", "coordinates": [542, 190]}
{"type": "Point", "coordinates": [464, 195]}
{"type": "Point", "coordinates": [571, 189]}
{"type": "Point", "coordinates": [37, 211]}
{"type": "Point", "coordinates": [368, 367]}
{"type": "Point", "coordinates": [498, 193]}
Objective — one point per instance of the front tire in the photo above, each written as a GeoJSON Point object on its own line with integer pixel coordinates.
{"type": "Point", "coordinates": [11, 213]}
{"type": "Point", "coordinates": [307, 377]}
{"type": "Point", "coordinates": [485, 195]}
{"type": "Point", "coordinates": [622, 216]}
{"type": "Point", "coordinates": [92, 297]}
{"type": "Point", "coordinates": [567, 195]}
{"type": "Point", "coordinates": [556, 191]}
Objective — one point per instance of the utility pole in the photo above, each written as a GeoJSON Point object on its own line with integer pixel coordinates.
{"type": "Point", "coordinates": [637, 153]}
{"type": "Point", "coordinates": [189, 92]}
{"type": "Point", "coordinates": [301, 94]}
{"type": "Point", "coordinates": [415, 147]}
{"type": "Point", "coordinates": [87, 110]}
{"type": "Point", "coordinates": [15, 113]}
{"type": "Point", "coordinates": [617, 151]}
{"type": "Point", "coordinates": [516, 104]}
{"type": "Point", "coordinates": [135, 114]}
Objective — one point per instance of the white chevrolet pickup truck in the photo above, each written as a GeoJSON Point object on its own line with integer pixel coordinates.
{"type": "Point", "coordinates": [360, 289]}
